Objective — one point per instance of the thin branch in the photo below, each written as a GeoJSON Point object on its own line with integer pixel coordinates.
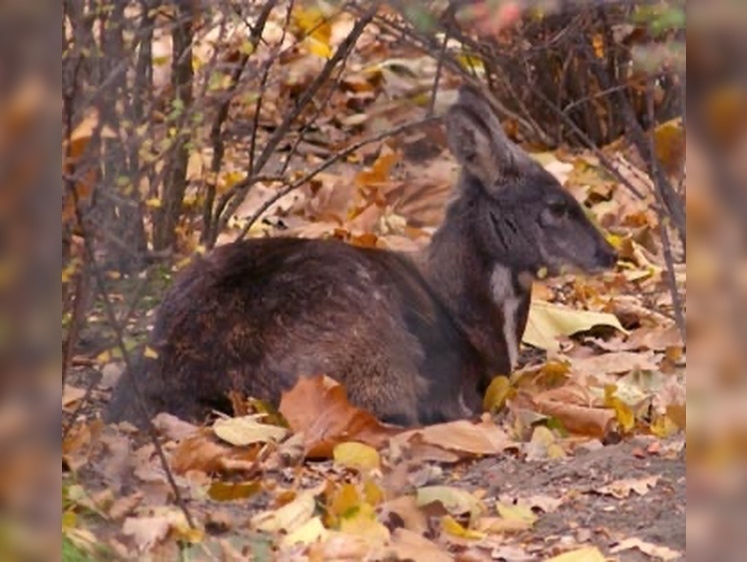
{"type": "Point", "coordinates": [666, 245]}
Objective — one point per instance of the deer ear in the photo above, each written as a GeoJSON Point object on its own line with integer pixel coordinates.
{"type": "Point", "coordinates": [478, 142]}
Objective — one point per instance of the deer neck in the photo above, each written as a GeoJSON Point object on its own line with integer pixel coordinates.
{"type": "Point", "coordinates": [488, 299]}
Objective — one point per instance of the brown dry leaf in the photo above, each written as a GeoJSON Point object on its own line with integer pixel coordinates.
{"type": "Point", "coordinates": [484, 438]}
{"type": "Point", "coordinates": [405, 508]}
{"type": "Point", "coordinates": [148, 531]}
{"type": "Point", "coordinates": [572, 406]}
{"type": "Point", "coordinates": [342, 546]}
{"type": "Point", "coordinates": [125, 505]}
{"type": "Point", "coordinates": [173, 428]}
{"type": "Point", "coordinates": [657, 338]}
{"type": "Point", "coordinates": [614, 363]}
{"type": "Point", "coordinates": [652, 550]}
{"type": "Point", "coordinates": [76, 448]}
{"type": "Point", "coordinates": [204, 452]}
{"type": "Point", "coordinates": [621, 489]}
{"type": "Point", "coordinates": [71, 395]}
{"type": "Point", "coordinates": [409, 545]}
{"type": "Point", "coordinates": [318, 407]}
{"type": "Point", "coordinates": [587, 554]}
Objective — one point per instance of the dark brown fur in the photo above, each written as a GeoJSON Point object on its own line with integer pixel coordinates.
{"type": "Point", "coordinates": [413, 344]}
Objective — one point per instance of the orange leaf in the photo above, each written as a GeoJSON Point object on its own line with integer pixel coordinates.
{"type": "Point", "coordinates": [318, 406]}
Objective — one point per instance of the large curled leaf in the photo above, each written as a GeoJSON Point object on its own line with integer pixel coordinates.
{"type": "Point", "coordinates": [548, 321]}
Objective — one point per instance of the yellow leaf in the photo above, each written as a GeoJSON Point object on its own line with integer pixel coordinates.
{"type": "Point", "coordinates": [588, 554]}
{"type": "Point", "coordinates": [318, 48]}
{"type": "Point", "coordinates": [522, 514]}
{"type": "Point", "coordinates": [245, 430]}
{"type": "Point", "coordinates": [345, 501]}
{"type": "Point", "coordinates": [69, 520]}
{"type": "Point", "coordinates": [455, 500]}
{"type": "Point", "coordinates": [312, 23]}
{"type": "Point", "coordinates": [153, 203]}
{"type": "Point", "coordinates": [543, 445]}
{"type": "Point", "coordinates": [623, 413]}
{"type": "Point", "coordinates": [288, 518]}
{"type": "Point", "coordinates": [470, 62]}
{"type": "Point", "coordinates": [363, 523]}
{"type": "Point", "coordinates": [308, 533]}
{"type": "Point", "coordinates": [247, 48]}
{"type": "Point", "coordinates": [150, 353]}
{"type": "Point", "coordinates": [548, 321]}
{"type": "Point", "coordinates": [356, 455]}
{"type": "Point", "coordinates": [453, 527]}
{"type": "Point", "coordinates": [372, 493]}
{"type": "Point", "coordinates": [496, 395]}
{"type": "Point", "coordinates": [663, 427]}
{"type": "Point", "coordinates": [598, 43]}
{"type": "Point", "coordinates": [104, 357]}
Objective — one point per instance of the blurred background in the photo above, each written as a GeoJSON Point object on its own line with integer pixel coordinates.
{"type": "Point", "coordinates": [105, 116]}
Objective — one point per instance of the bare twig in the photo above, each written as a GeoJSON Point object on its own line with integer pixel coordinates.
{"type": "Point", "coordinates": [666, 246]}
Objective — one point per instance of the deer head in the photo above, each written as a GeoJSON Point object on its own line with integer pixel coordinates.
{"type": "Point", "coordinates": [524, 219]}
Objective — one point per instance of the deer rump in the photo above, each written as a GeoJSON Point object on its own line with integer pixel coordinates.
{"type": "Point", "coordinates": [255, 316]}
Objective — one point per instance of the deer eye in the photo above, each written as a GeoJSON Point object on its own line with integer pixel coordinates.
{"type": "Point", "coordinates": [558, 209]}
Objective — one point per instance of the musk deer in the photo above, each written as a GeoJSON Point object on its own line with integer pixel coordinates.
{"type": "Point", "coordinates": [414, 340]}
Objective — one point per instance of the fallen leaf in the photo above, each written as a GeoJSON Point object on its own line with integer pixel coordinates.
{"type": "Point", "coordinates": [148, 531]}
{"type": "Point", "coordinates": [496, 394]}
{"type": "Point", "coordinates": [652, 550]}
{"type": "Point", "coordinates": [310, 532]}
{"type": "Point", "coordinates": [519, 514]}
{"type": "Point", "coordinates": [588, 554]}
{"type": "Point", "coordinates": [404, 510]}
{"type": "Point", "coordinates": [173, 428]}
{"type": "Point", "coordinates": [452, 527]}
{"type": "Point", "coordinates": [455, 500]}
{"type": "Point", "coordinates": [357, 456]}
{"type": "Point", "coordinates": [484, 438]}
{"type": "Point", "coordinates": [288, 518]}
{"type": "Point", "coordinates": [572, 406]}
{"type": "Point", "coordinates": [205, 453]}
{"type": "Point", "coordinates": [71, 395]}
{"type": "Point", "coordinates": [363, 523]}
{"type": "Point", "coordinates": [622, 488]}
{"type": "Point", "coordinates": [229, 491]}
{"type": "Point", "coordinates": [619, 362]}
{"type": "Point", "coordinates": [409, 545]}
{"type": "Point", "coordinates": [549, 321]}
{"type": "Point", "coordinates": [318, 407]}
{"type": "Point", "coordinates": [543, 445]}
{"type": "Point", "coordinates": [246, 430]}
